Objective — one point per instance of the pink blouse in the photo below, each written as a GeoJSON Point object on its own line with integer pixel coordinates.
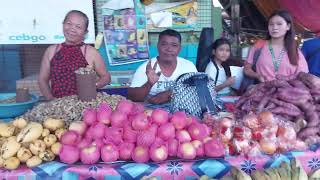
{"type": "Point", "coordinates": [265, 65]}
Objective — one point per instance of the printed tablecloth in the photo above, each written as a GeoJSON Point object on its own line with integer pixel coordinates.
{"type": "Point", "coordinates": [171, 169]}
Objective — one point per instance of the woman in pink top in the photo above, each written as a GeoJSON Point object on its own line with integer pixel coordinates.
{"type": "Point", "coordinates": [279, 55]}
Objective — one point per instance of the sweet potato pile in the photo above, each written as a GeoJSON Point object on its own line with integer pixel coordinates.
{"type": "Point", "coordinates": [291, 98]}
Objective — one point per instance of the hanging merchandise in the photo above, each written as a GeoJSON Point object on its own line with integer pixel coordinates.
{"type": "Point", "coordinates": [125, 35]}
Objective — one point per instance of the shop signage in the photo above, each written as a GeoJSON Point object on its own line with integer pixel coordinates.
{"type": "Point", "coordinates": [38, 21]}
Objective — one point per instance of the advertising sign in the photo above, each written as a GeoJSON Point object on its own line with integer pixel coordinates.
{"type": "Point", "coordinates": [39, 21]}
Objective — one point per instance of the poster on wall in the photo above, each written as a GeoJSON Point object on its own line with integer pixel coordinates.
{"type": "Point", "coordinates": [174, 15]}
{"type": "Point", "coordinates": [39, 21]}
{"type": "Point", "coordinates": [126, 38]}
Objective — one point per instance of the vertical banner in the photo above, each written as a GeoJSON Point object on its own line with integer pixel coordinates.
{"type": "Point", "coordinates": [39, 21]}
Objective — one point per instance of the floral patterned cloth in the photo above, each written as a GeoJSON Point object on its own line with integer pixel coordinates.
{"type": "Point", "coordinates": [171, 169]}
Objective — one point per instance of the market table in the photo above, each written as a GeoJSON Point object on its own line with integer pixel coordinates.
{"type": "Point", "coordinates": [171, 169]}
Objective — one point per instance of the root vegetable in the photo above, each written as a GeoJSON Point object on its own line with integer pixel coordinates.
{"type": "Point", "coordinates": [113, 135]}
{"type": "Point", "coordinates": [2, 140]}
{"type": "Point", "coordinates": [45, 133]}
{"type": "Point", "coordinates": [11, 163]}
{"type": "Point", "coordinates": [313, 119]}
{"type": "Point", "coordinates": [1, 162]}
{"type": "Point", "coordinates": [214, 148]}
{"type": "Point", "coordinates": [24, 154]}
{"type": "Point", "coordinates": [137, 108]}
{"type": "Point", "coordinates": [158, 152]}
{"type": "Point", "coordinates": [50, 139]}
{"type": "Point", "coordinates": [78, 126]}
{"type": "Point", "coordinates": [277, 84]}
{"type": "Point", "coordinates": [84, 143]}
{"type": "Point", "coordinates": [183, 136]}
{"type": "Point", "coordinates": [98, 130]}
{"type": "Point", "coordinates": [69, 154]}
{"type": "Point", "coordinates": [173, 147]}
{"type": "Point", "coordinates": [199, 147]}
{"type": "Point", "coordinates": [59, 132]}
{"type": "Point", "coordinates": [145, 138]}
{"type": "Point", "coordinates": [47, 155]}
{"type": "Point", "coordinates": [307, 132]}
{"type": "Point", "coordinates": [118, 118]}
{"type": "Point", "coordinates": [198, 131]}
{"type": "Point", "coordinates": [179, 120]}
{"type": "Point", "coordinates": [140, 122]}
{"type": "Point", "coordinates": [160, 116]}
{"type": "Point", "coordinates": [9, 148]}
{"type": "Point", "coordinates": [285, 111]}
{"type": "Point", "coordinates": [166, 131]}
{"type": "Point", "coordinates": [310, 80]}
{"type": "Point", "coordinates": [285, 104]}
{"type": "Point", "coordinates": [298, 84]}
{"type": "Point", "coordinates": [90, 116]}
{"type": "Point", "coordinates": [264, 101]}
{"type": "Point", "coordinates": [103, 113]}
{"type": "Point", "coordinates": [30, 133]}
{"type": "Point", "coordinates": [6, 130]}
{"type": "Point", "coordinates": [187, 151]}
{"type": "Point", "coordinates": [125, 150]}
{"type": "Point", "coordinates": [98, 142]}
{"type": "Point", "coordinates": [140, 154]}
{"type": "Point", "coordinates": [90, 154]}
{"type": "Point", "coordinates": [124, 106]}
{"type": "Point", "coordinates": [53, 124]}
{"type": "Point", "coordinates": [37, 147]}
{"type": "Point", "coordinates": [70, 138]}
{"type": "Point", "coordinates": [129, 135]}
{"type": "Point", "coordinates": [55, 148]}
{"type": "Point", "coordinates": [20, 123]}
{"type": "Point", "coordinates": [34, 161]}
{"type": "Point", "coordinates": [109, 153]}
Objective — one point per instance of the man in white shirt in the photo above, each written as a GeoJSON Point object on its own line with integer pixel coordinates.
{"type": "Point", "coordinates": [153, 80]}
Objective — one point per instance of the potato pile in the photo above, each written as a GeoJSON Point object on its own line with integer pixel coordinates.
{"type": "Point", "coordinates": [29, 142]}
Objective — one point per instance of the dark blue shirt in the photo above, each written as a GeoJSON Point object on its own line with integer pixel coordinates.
{"type": "Point", "coordinates": [308, 49]}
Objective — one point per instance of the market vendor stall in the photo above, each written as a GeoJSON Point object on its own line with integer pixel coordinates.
{"type": "Point", "coordinates": [171, 169]}
{"type": "Point", "coordinates": [112, 137]}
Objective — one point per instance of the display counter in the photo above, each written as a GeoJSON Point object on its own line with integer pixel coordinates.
{"type": "Point", "coordinates": [171, 169]}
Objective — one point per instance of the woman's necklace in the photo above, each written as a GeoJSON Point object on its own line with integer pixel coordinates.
{"type": "Point", "coordinates": [276, 61]}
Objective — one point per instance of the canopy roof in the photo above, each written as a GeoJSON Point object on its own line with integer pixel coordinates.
{"type": "Point", "coordinates": [254, 13]}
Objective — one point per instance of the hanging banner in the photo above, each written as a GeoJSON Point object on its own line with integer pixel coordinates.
{"type": "Point", "coordinates": [39, 21]}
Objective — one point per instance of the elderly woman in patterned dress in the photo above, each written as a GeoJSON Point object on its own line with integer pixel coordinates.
{"type": "Point", "coordinates": [61, 60]}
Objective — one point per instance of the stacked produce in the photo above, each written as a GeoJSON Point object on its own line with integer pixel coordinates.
{"type": "Point", "coordinates": [292, 99]}
{"type": "Point", "coordinates": [286, 171]}
{"type": "Point", "coordinates": [131, 133]}
{"type": "Point", "coordinates": [69, 108]}
{"type": "Point", "coordinates": [29, 142]}
{"type": "Point", "coordinates": [255, 134]}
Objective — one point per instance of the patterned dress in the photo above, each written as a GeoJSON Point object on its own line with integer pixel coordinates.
{"type": "Point", "coordinates": [62, 69]}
